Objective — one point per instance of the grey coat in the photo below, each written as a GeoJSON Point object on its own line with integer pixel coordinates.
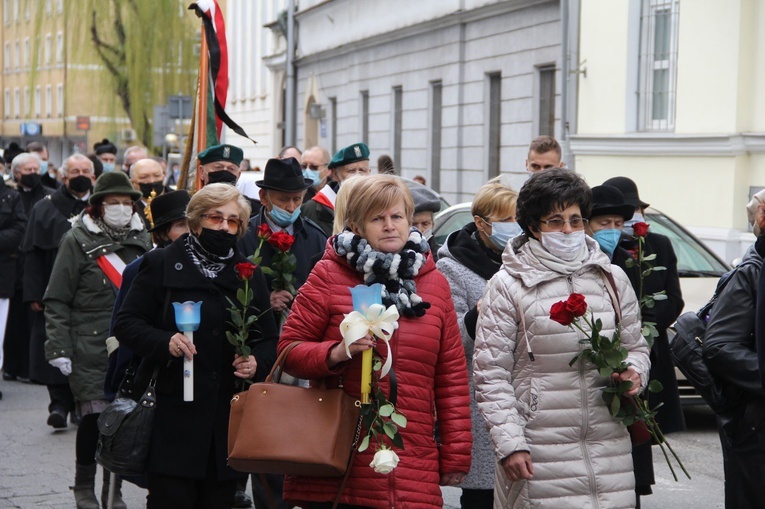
{"type": "Point", "coordinates": [467, 289]}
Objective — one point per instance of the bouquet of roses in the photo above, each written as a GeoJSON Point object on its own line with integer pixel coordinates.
{"type": "Point", "coordinates": [610, 357]}
{"type": "Point", "coordinates": [241, 319]}
{"type": "Point", "coordinates": [283, 263]}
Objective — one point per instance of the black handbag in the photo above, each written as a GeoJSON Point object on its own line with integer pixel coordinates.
{"type": "Point", "coordinates": [125, 429]}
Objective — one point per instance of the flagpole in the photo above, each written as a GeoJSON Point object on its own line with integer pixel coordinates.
{"type": "Point", "coordinates": [204, 80]}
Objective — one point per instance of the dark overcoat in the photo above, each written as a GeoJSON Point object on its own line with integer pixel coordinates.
{"type": "Point", "coordinates": [185, 434]}
{"type": "Point", "coordinates": [13, 222]}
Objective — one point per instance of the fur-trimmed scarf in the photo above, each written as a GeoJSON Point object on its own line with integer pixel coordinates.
{"type": "Point", "coordinates": [395, 271]}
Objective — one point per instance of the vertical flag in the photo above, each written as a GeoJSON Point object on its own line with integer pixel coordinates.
{"type": "Point", "coordinates": [215, 33]}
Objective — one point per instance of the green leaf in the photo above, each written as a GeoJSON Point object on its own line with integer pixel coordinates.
{"type": "Point", "coordinates": [267, 271]}
{"type": "Point", "coordinates": [241, 297]}
{"type": "Point", "coordinates": [659, 268]}
{"type": "Point", "coordinates": [245, 351]}
{"type": "Point", "coordinates": [399, 419]}
{"type": "Point", "coordinates": [606, 371]}
{"type": "Point", "coordinates": [398, 441]}
{"type": "Point", "coordinates": [386, 410]}
{"type": "Point", "coordinates": [231, 338]}
{"type": "Point", "coordinates": [649, 302]}
{"type": "Point", "coordinates": [629, 263]}
{"type": "Point", "coordinates": [237, 319]}
{"type": "Point", "coordinates": [655, 386]}
{"type": "Point", "coordinates": [390, 429]}
{"type": "Point", "coordinates": [624, 386]}
{"type": "Point", "coordinates": [613, 358]}
{"type": "Point", "coordinates": [646, 272]}
{"type": "Point", "coordinates": [659, 296]}
{"type": "Point", "coordinates": [649, 258]}
{"type": "Point", "coordinates": [364, 444]}
{"type": "Point", "coordinates": [615, 406]}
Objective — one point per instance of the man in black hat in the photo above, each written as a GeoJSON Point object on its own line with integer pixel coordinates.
{"type": "Point", "coordinates": [281, 193]}
{"type": "Point", "coordinates": [606, 221]}
{"type": "Point", "coordinates": [663, 314]}
{"type": "Point", "coordinates": [106, 152]}
{"type": "Point", "coordinates": [49, 220]}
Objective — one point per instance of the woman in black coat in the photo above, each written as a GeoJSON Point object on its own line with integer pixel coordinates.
{"type": "Point", "coordinates": [187, 463]}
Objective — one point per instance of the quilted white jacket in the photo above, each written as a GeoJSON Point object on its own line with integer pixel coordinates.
{"type": "Point", "coordinates": [580, 454]}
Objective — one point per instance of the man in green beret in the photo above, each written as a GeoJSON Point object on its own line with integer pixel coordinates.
{"type": "Point", "coordinates": [349, 161]}
{"type": "Point", "coordinates": [220, 164]}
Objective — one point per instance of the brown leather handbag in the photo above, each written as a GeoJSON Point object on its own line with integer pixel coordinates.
{"type": "Point", "coordinates": [284, 429]}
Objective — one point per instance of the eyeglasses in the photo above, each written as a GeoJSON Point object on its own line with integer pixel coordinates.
{"type": "Point", "coordinates": [314, 167]}
{"type": "Point", "coordinates": [558, 224]}
{"type": "Point", "coordinates": [234, 223]}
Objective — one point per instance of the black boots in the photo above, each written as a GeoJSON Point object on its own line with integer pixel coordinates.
{"type": "Point", "coordinates": [84, 486]}
{"type": "Point", "coordinates": [117, 502]}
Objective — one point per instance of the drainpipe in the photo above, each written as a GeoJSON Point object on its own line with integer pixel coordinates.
{"type": "Point", "coordinates": [290, 97]}
{"type": "Point", "coordinates": [564, 82]}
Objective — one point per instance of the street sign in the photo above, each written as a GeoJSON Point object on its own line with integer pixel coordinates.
{"type": "Point", "coordinates": [83, 123]}
{"type": "Point", "coordinates": [31, 129]}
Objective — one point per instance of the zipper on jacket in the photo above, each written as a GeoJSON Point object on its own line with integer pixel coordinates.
{"type": "Point", "coordinates": [583, 434]}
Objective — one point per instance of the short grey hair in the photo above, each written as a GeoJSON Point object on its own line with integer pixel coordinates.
{"type": "Point", "coordinates": [136, 148]}
{"type": "Point", "coordinates": [214, 195]}
{"type": "Point", "coordinates": [63, 171]}
{"type": "Point", "coordinates": [22, 159]}
{"type": "Point", "coordinates": [326, 157]}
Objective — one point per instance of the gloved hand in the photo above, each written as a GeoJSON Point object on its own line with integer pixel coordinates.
{"type": "Point", "coordinates": [62, 363]}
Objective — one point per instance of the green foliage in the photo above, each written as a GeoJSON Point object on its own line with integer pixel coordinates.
{"type": "Point", "coordinates": [145, 47]}
{"type": "Point", "coordinates": [380, 418]}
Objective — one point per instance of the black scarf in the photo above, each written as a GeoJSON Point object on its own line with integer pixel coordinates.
{"type": "Point", "coordinates": [207, 263]}
{"type": "Point", "coordinates": [467, 247]}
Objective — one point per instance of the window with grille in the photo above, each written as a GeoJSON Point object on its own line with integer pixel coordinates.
{"type": "Point", "coordinates": [7, 103]}
{"type": "Point", "coordinates": [365, 116]}
{"type": "Point", "coordinates": [658, 65]}
{"type": "Point", "coordinates": [398, 114]}
{"type": "Point", "coordinates": [547, 101]}
{"type": "Point", "coordinates": [494, 122]}
{"type": "Point", "coordinates": [436, 122]}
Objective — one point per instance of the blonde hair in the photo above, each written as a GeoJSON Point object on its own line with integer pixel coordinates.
{"type": "Point", "coordinates": [494, 199]}
{"type": "Point", "coordinates": [341, 201]}
{"type": "Point", "coordinates": [215, 195]}
{"type": "Point", "coordinates": [370, 195]}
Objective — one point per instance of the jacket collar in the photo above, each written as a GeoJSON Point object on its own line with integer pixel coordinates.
{"type": "Point", "coordinates": [180, 271]}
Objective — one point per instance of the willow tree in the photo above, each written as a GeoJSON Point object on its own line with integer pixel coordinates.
{"type": "Point", "coordinates": [146, 47]}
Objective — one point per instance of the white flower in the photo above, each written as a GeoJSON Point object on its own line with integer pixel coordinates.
{"type": "Point", "coordinates": [384, 461]}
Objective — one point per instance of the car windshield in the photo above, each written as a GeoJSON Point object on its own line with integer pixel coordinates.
{"type": "Point", "coordinates": [693, 258]}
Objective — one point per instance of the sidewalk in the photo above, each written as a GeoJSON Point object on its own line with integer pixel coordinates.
{"type": "Point", "coordinates": [37, 463]}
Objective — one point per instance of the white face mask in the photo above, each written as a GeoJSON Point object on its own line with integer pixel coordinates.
{"type": "Point", "coordinates": [117, 216]}
{"type": "Point", "coordinates": [564, 246]}
{"type": "Point", "coordinates": [427, 234]}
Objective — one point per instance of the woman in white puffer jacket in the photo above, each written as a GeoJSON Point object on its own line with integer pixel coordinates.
{"type": "Point", "coordinates": [553, 436]}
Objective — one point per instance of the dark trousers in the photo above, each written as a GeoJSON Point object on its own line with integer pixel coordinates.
{"type": "Point", "coordinates": [477, 499]}
{"type": "Point", "coordinates": [61, 398]}
{"type": "Point", "coordinates": [16, 347]}
{"type": "Point", "coordinates": [260, 493]}
{"type": "Point", "coordinates": [744, 466]}
{"type": "Point", "coordinates": [181, 493]}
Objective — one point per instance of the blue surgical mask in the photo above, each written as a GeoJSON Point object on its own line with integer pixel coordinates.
{"type": "Point", "coordinates": [608, 239]}
{"type": "Point", "coordinates": [628, 225]}
{"type": "Point", "coordinates": [502, 233]}
{"type": "Point", "coordinates": [313, 175]}
{"type": "Point", "coordinates": [283, 218]}
{"type": "Point", "coordinates": [108, 167]}
{"type": "Point", "coordinates": [43, 167]}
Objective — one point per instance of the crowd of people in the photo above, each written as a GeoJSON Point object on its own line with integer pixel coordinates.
{"type": "Point", "coordinates": [95, 253]}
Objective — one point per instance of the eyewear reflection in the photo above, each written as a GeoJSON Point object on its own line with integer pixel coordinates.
{"type": "Point", "coordinates": [557, 224]}
{"type": "Point", "coordinates": [234, 223]}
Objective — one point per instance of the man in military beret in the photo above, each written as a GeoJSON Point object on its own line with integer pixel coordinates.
{"type": "Point", "coordinates": [347, 162]}
{"type": "Point", "coordinates": [221, 164]}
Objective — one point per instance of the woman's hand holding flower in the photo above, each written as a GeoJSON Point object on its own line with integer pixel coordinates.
{"type": "Point", "coordinates": [337, 353]}
{"type": "Point", "coordinates": [245, 366]}
{"type": "Point", "coordinates": [631, 375]}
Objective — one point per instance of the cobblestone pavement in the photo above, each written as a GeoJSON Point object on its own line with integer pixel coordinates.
{"type": "Point", "coordinates": [37, 463]}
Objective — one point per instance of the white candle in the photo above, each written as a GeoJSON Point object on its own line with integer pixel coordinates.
{"type": "Point", "coordinates": [188, 372]}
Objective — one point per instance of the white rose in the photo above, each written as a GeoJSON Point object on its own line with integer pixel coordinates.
{"type": "Point", "coordinates": [384, 461]}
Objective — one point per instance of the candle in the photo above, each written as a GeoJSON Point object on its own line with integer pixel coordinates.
{"type": "Point", "coordinates": [187, 319]}
{"type": "Point", "coordinates": [363, 297]}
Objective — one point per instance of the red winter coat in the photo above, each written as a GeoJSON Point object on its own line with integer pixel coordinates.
{"type": "Point", "coordinates": [431, 373]}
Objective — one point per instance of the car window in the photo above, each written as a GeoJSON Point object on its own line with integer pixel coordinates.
{"type": "Point", "coordinates": [693, 258]}
{"type": "Point", "coordinates": [446, 225]}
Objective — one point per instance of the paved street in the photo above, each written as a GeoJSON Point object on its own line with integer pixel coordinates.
{"type": "Point", "coordinates": [37, 464]}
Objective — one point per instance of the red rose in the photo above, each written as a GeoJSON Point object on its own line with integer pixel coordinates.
{"type": "Point", "coordinates": [560, 313]}
{"type": "Point", "coordinates": [640, 229]}
{"type": "Point", "coordinates": [245, 270]}
{"type": "Point", "coordinates": [576, 305]}
{"type": "Point", "coordinates": [264, 232]}
{"type": "Point", "coordinates": [282, 241]}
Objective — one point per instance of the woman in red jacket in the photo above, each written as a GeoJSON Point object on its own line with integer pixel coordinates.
{"type": "Point", "coordinates": [379, 246]}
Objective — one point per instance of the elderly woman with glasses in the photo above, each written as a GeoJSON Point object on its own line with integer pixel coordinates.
{"type": "Point", "coordinates": [187, 463]}
{"type": "Point", "coordinates": [555, 440]}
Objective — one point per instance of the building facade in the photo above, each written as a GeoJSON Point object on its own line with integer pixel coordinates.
{"type": "Point", "coordinates": [453, 91]}
{"type": "Point", "coordinates": [673, 96]}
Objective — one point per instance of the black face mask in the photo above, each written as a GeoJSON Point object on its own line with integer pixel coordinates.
{"type": "Point", "coordinates": [221, 177]}
{"type": "Point", "coordinates": [157, 187]}
{"type": "Point", "coordinates": [80, 184]}
{"type": "Point", "coordinates": [31, 180]}
{"type": "Point", "coordinates": [217, 242]}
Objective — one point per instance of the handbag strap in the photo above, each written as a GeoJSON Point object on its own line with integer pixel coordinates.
{"type": "Point", "coordinates": [614, 294]}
